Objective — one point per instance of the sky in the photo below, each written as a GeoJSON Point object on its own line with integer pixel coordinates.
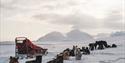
{"type": "Point", "coordinates": [35, 18]}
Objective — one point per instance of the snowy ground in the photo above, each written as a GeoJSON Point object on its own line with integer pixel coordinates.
{"type": "Point", "coordinates": [110, 55]}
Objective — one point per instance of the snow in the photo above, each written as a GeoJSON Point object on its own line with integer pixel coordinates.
{"type": "Point", "coordinates": [109, 55]}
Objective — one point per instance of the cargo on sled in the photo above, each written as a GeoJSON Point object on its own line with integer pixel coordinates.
{"type": "Point", "coordinates": [25, 48]}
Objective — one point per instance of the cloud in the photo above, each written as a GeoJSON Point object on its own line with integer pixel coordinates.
{"type": "Point", "coordinates": [59, 15]}
{"type": "Point", "coordinates": [77, 20]}
{"type": "Point", "coordinates": [115, 20]}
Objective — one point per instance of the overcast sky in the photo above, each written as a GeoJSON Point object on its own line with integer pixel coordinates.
{"type": "Point", "coordinates": [35, 18]}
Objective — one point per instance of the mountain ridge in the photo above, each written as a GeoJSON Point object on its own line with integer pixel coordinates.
{"type": "Point", "coordinates": [73, 35]}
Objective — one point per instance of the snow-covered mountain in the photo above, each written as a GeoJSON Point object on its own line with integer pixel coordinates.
{"type": "Point", "coordinates": [52, 36]}
{"type": "Point", "coordinates": [102, 35]}
{"type": "Point", "coordinates": [77, 35]}
{"type": "Point", "coordinates": [120, 33]}
{"type": "Point", "coordinates": [73, 35]}
{"type": "Point", "coordinates": [110, 35]}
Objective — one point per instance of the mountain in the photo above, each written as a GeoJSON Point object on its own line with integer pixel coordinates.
{"type": "Point", "coordinates": [77, 35]}
{"type": "Point", "coordinates": [73, 35]}
{"type": "Point", "coordinates": [120, 33]}
{"type": "Point", "coordinates": [115, 37]}
{"type": "Point", "coordinates": [102, 35]}
{"type": "Point", "coordinates": [53, 36]}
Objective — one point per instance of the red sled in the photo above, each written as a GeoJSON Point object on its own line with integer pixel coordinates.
{"type": "Point", "coordinates": [24, 47]}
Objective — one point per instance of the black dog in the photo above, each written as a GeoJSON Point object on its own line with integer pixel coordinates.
{"type": "Point", "coordinates": [100, 44]}
{"type": "Point", "coordinates": [13, 60]}
{"type": "Point", "coordinates": [92, 46]}
{"type": "Point", "coordinates": [114, 45]}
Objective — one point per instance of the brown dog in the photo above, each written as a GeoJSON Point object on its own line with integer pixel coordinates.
{"type": "Point", "coordinates": [66, 55]}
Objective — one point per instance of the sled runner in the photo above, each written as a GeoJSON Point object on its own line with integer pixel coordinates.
{"type": "Point", "coordinates": [25, 48]}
